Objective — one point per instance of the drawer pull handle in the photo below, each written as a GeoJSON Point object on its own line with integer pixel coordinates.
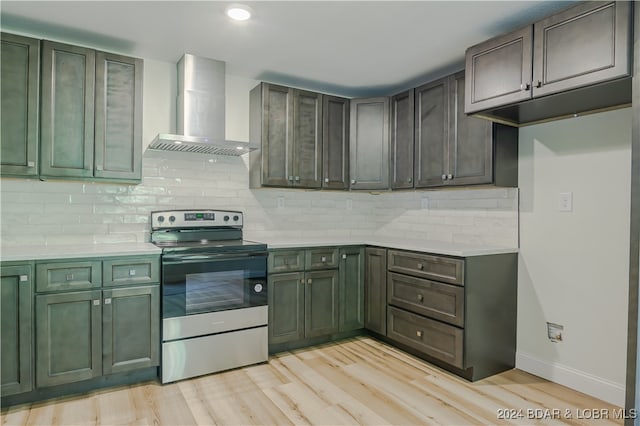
{"type": "Point", "coordinates": [420, 266]}
{"type": "Point", "coordinates": [69, 277]}
{"type": "Point", "coordinates": [96, 302]}
{"type": "Point", "coordinates": [419, 333]}
{"type": "Point", "coordinates": [107, 301]}
{"type": "Point", "coordinates": [420, 297]}
{"type": "Point", "coordinates": [132, 272]}
{"type": "Point", "coordinates": [24, 278]}
{"type": "Point", "coordinates": [323, 259]}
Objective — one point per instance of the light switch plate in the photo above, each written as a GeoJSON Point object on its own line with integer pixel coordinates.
{"type": "Point", "coordinates": [565, 201]}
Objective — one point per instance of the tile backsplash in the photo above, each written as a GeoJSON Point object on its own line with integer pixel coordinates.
{"type": "Point", "coordinates": [65, 212]}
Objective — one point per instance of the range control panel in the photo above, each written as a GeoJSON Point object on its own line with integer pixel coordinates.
{"type": "Point", "coordinates": [195, 219]}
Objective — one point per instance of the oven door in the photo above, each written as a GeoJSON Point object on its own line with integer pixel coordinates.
{"type": "Point", "coordinates": [200, 283]}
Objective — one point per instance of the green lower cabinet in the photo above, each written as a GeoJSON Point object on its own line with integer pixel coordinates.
{"type": "Point", "coordinates": [351, 288]}
{"type": "Point", "coordinates": [286, 307]}
{"type": "Point", "coordinates": [131, 328]}
{"type": "Point", "coordinates": [321, 302]}
{"type": "Point", "coordinates": [68, 337]}
{"type": "Point", "coordinates": [16, 327]}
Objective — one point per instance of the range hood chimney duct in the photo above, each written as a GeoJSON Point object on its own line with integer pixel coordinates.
{"type": "Point", "coordinates": [200, 108]}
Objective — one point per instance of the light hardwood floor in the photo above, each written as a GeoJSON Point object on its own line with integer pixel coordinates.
{"type": "Point", "coordinates": [357, 381]}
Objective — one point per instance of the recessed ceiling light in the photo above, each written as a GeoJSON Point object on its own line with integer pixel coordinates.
{"type": "Point", "coordinates": [239, 12]}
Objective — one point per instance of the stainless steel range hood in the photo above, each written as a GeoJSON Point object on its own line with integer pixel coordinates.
{"type": "Point", "coordinates": [201, 111]}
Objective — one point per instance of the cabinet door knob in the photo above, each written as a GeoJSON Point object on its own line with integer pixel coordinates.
{"type": "Point", "coordinates": [132, 272]}
{"type": "Point", "coordinates": [107, 301]}
{"type": "Point", "coordinates": [326, 180]}
{"type": "Point", "coordinates": [290, 179]}
{"type": "Point", "coordinates": [539, 84]}
{"type": "Point", "coordinates": [96, 302]}
{"type": "Point", "coordinates": [449, 177]}
{"type": "Point", "coordinates": [31, 164]}
{"type": "Point", "coordinates": [420, 297]}
{"type": "Point", "coordinates": [297, 178]}
{"type": "Point", "coordinates": [69, 277]}
{"type": "Point", "coordinates": [420, 266]}
{"type": "Point", "coordinates": [24, 278]}
{"type": "Point", "coordinates": [309, 281]}
{"type": "Point", "coordinates": [99, 167]}
{"type": "Point", "coordinates": [323, 259]}
{"type": "Point", "coordinates": [419, 333]}
{"type": "Point", "coordinates": [525, 86]}
{"type": "Point", "coordinates": [444, 177]}
{"type": "Point", "coordinates": [353, 181]}
{"type": "Point", "coordinates": [344, 256]}
{"type": "Point", "coordinates": [302, 281]}
{"type": "Point", "coordinates": [409, 180]}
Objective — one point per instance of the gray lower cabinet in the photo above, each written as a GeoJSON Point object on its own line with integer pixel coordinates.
{"type": "Point", "coordinates": [585, 45]}
{"type": "Point", "coordinates": [314, 292]}
{"type": "Point", "coordinates": [375, 290]}
{"type": "Point", "coordinates": [369, 143]}
{"type": "Point", "coordinates": [16, 326]}
{"type": "Point", "coordinates": [457, 312]}
{"type": "Point", "coordinates": [402, 140]}
{"type": "Point", "coordinates": [95, 318]}
{"type": "Point", "coordinates": [287, 123]}
{"type": "Point", "coordinates": [20, 81]}
{"type": "Point", "coordinates": [91, 123]}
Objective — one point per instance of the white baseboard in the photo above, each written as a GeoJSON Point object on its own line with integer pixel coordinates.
{"type": "Point", "coordinates": [595, 386]}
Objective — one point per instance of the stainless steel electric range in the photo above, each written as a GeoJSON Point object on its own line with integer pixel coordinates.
{"type": "Point", "coordinates": [214, 293]}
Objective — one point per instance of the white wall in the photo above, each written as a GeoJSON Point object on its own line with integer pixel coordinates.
{"type": "Point", "coordinates": [574, 266]}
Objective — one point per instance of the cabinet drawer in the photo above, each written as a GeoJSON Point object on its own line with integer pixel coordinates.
{"type": "Point", "coordinates": [286, 261]}
{"type": "Point", "coordinates": [322, 258]}
{"type": "Point", "coordinates": [433, 338]}
{"type": "Point", "coordinates": [134, 270]}
{"type": "Point", "coordinates": [436, 300]}
{"type": "Point", "coordinates": [60, 276]}
{"type": "Point", "coordinates": [437, 268]}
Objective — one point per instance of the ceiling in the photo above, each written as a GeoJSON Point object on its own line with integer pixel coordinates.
{"type": "Point", "coordinates": [350, 48]}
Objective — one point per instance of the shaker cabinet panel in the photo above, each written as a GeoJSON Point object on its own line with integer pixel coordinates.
{"type": "Point", "coordinates": [16, 326]}
{"type": "Point", "coordinates": [20, 81]}
{"type": "Point", "coordinates": [335, 143]}
{"type": "Point", "coordinates": [402, 137]}
{"type": "Point", "coordinates": [369, 143]}
{"type": "Point", "coordinates": [375, 290]}
{"type": "Point", "coordinates": [68, 337]}
{"type": "Point", "coordinates": [286, 307]}
{"type": "Point", "coordinates": [321, 314]}
{"type": "Point", "coordinates": [118, 127]}
{"type": "Point", "coordinates": [582, 45]}
{"type": "Point", "coordinates": [431, 133]}
{"type": "Point", "coordinates": [307, 137]}
{"type": "Point", "coordinates": [276, 135]}
{"type": "Point", "coordinates": [351, 288]}
{"type": "Point", "coordinates": [67, 122]}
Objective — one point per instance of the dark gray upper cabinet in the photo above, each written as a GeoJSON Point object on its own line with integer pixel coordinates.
{"type": "Point", "coordinates": [452, 148]}
{"type": "Point", "coordinates": [118, 108]}
{"type": "Point", "coordinates": [20, 80]}
{"type": "Point", "coordinates": [67, 126]}
{"type": "Point", "coordinates": [335, 143]}
{"type": "Point", "coordinates": [91, 125]}
{"type": "Point", "coordinates": [369, 143]}
{"type": "Point", "coordinates": [401, 149]}
{"type": "Point", "coordinates": [571, 55]}
{"type": "Point", "coordinates": [16, 326]}
{"type": "Point", "coordinates": [288, 124]}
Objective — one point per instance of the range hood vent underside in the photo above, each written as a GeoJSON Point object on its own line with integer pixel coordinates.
{"type": "Point", "coordinates": [200, 145]}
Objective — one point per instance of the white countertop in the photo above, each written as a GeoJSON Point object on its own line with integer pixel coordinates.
{"type": "Point", "coordinates": [436, 247]}
{"type": "Point", "coordinates": [16, 253]}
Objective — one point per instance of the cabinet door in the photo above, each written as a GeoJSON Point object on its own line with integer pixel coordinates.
{"type": "Point", "coordinates": [431, 133]}
{"type": "Point", "coordinates": [351, 288]}
{"type": "Point", "coordinates": [67, 132]}
{"type": "Point", "coordinates": [470, 141]}
{"type": "Point", "coordinates": [375, 290]}
{"type": "Point", "coordinates": [369, 143]}
{"type": "Point", "coordinates": [401, 152]}
{"type": "Point", "coordinates": [286, 307]}
{"type": "Point", "coordinates": [68, 337]}
{"type": "Point", "coordinates": [499, 71]}
{"type": "Point", "coordinates": [16, 327]}
{"type": "Point", "coordinates": [20, 79]}
{"type": "Point", "coordinates": [277, 130]}
{"type": "Point", "coordinates": [335, 143]}
{"type": "Point", "coordinates": [586, 44]}
{"type": "Point", "coordinates": [321, 303]}
{"type": "Point", "coordinates": [131, 328]}
{"type": "Point", "coordinates": [118, 117]}
{"type": "Point", "coordinates": [307, 139]}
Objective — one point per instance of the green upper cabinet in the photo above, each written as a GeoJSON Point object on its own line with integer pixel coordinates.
{"type": "Point", "coordinates": [20, 78]}
{"type": "Point", "coordinates": [16, 326]}
{"type": "Point", "coordinates": [91, 124]}
{"type": "Point", "coordinates": [287, 123]}
{"type": "Point", "coordinates": [118, 112]}
{"type": "Point", "coordinates": [401, 141]}
{"type": "Point", "coordinates": [335, 143]}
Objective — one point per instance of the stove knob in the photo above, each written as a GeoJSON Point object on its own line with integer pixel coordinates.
{"type": "Point", "coordinates": [226, 218]}
{"type": "Point", "coordinates": [160, 219]}
{"type": "Point", "coordinates": [235, 218]}
{"type": "Point", "coordinates": [172, 218]}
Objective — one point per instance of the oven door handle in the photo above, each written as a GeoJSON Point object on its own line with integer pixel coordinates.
{"type": "Point", "coordinates": [169, 259]}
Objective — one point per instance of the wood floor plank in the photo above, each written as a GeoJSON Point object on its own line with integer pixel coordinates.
{"type": "Point", "coordinates": [355, 381]}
